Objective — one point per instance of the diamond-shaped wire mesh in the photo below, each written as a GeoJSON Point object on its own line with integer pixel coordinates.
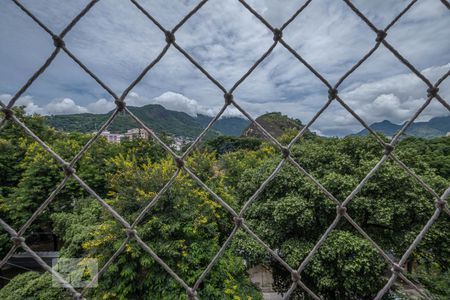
{"type": "Point", "coordinates": [239, 222]}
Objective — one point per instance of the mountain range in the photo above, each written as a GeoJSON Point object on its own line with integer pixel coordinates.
{"type": "Point", "coordinates": [155, 117]}
{"type": "Point", "coordinates": [177, 123]}
{"type": "Point", "coordinates": [435, 127]}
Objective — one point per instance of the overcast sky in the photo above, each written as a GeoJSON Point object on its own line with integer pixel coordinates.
{"type": "Point", "coordinates": [116, 41]}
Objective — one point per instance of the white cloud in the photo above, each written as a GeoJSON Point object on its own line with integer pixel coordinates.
{"type": "Point", "coordinates": [26, 101]}
{"type": "Point", "coordinates": [63, 107]}
{"type": "Point", "coordinates": [395, 98]}
{"type": "Point", "coordinates": [55, 107]}
{"type": "Point", "coordinates": [101, 106]}
{"type": "Point", "coordinates": [169, 100]}
{"type": "Point", "coordinates": [178, 102]}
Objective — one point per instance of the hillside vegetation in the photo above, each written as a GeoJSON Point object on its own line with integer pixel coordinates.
{"type": "Point", "coordinates": [436, 127]}
{"type": "Point", "coordinates": [154, 116]}
{"type": "Point", "coordinates": [276, 124]}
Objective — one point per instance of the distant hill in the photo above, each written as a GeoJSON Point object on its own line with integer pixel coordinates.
{"type": "Point", "coordinates": [155, 117]}
{"type": "Point", "coordinates": [275, 123]}
{"type": "Point", "coordinates": [438, 126]}
{"type": "Point", "coordinates": [233, 126]}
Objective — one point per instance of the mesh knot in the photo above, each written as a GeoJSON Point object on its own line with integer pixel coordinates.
{"type": "Point", "coordinates": [286, 152]}
{"type": "Point", "coordinates": [396, 269]}
{"type": "Point", "coordinates": [295, 276]}
{"type": "Point", "coordinates": [440, 204]}
{"type": "Point", "coordinates": [180, 162]}
{"type": "Point", "coordinates": [120, 104]}
{"type": "Point", "coordinates": [170, 37]}
{"type": "Point", "coordinates": [68, 170]}
{"type": "Point", "coordinates": [228, 98]}
{"type": "Point", "coordinates": [78, 296]}
{"type": "Point", "coordinates": [388, 148]}
{"type": "Point", "coordinates": [131, 233]}
{"type": "Point", "coordinates": [18, 240]}
{"type": "Point", "coordinates": [277, 34]}
{"type": "Point", "coordinates": [431, 92]}
{"type": "Point", "coordinates": [341, 210]}
{"type": "Point", "coordinates": [381, 34]}
{"type": "Point", "coordinates": [191, 293]}
{"type": "Point", "coordinates": [238, 221]}
{"type": "Point", "coordinates": [332, 94]}
{"type": "Point", "coordinates": [58, 42]}
{"type": "Point", "coordinates": [7, 112]}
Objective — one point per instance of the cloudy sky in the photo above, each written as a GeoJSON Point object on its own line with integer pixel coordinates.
{"type": "Point", "coordinates": [116, 41]}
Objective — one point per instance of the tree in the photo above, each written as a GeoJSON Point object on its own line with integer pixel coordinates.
{"type": "Point", "coordinates": [292, 213]}
{"type": "Point", "coordinates": [31, 174]}
{"type": "Point", "coordinates": [186, 229]}
{"type": "Point", "coordinates": [225, 144]}
{"type": "Point", "coordinates": [33, 286]}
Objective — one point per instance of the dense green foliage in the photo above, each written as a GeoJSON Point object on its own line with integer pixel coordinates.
{"type": "Point", "coordinates": [186, 227]}
{"type": "Point", "coordinates": [154, 116]}
{"type": "Point", "coordinates": [32, 174]}
{"type": "Point", "coordinates": [435, 152]}
{"type": "Point", "coordinates": [33, 286]}
{"type": "Point", "coordinates": [292, 213]}
{"type": "Point", "coordinates": [435, 280]}
{"type": "Point", "coordinates": [225, 144]}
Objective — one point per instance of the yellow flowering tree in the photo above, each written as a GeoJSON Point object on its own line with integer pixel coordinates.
{"type": "Point", "coordinates": [185, 228]}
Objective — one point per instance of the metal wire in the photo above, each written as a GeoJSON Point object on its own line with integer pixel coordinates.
{"type": "Point", "coordinates": [239, 221]}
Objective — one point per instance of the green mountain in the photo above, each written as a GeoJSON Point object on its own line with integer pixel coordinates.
{"type": "Point", "coordinates": [276, 124]}
{"type": "Point", "coordinates": [233, 126]}
{"type": "Point", "coordinates": [385, 127]}
{"type": "Point", "coordinates": [438, 126]}
{"type": "Point", "coordinates": [153, 116]}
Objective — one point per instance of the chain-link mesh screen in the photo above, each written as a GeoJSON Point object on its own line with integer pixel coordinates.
{"type": "Point", "coordinates": [380, 40]}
